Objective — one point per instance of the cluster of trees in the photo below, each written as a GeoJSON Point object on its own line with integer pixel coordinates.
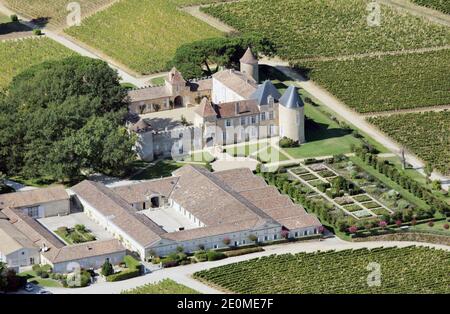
{"type": "Point", "coordinates": [196, 59]}
{"type": "Point", "coordinates": [9, 281]}
{"type": "Point", "coordinates": [392, 172]}
{"type": "Point", "coordinates": [65, 119]}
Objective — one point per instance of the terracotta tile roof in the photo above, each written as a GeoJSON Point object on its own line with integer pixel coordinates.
{"type": "Point", "coordinates": [257, 194]}
{"type": "Point", "coordinates": [245, 107]}
{"type": "Point", "coordinates": [33, 197]}
{"type": "Point", "coordinates": [199, 233]}
{"type": "Point", "coordinates": [120, 213]}
{"type": "Point", "coordinates": [205, 109]}
{"type": "Point", "coordinates": [148, 93]}
{"type": "Point", "coordinates": [136, 192]}
{"type": "Point", "coordinates": [300, 221]}
{"type": "Point", "coordinates": [238, 82]}
{"type": "Point", "coordinates": [210, 199]}
{"type": "Point", "coordinates": [84, 250]}
{"type": "Point", "coordinates": [12, 240]}
{"type": "Point", "coordinates": [36, 232]}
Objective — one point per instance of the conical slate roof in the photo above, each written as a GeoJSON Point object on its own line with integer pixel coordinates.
{"type": "Point", "coordinates": [265, 90]}
{"type": "Point", "coordinates": [291, 99]}
{"type": "Point", "coordinates": [249, 57]}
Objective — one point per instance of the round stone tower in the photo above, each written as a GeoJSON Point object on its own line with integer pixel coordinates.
{"type": "Point", "coordinates": [249, 65]}
{"type": "Point", "coordinates": [291, 113]}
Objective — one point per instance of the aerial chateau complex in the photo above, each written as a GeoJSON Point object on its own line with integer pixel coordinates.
{"type": "Point", "coordinates": [192, 209]}
{"type": "Point", "coordinates": [231, 105]}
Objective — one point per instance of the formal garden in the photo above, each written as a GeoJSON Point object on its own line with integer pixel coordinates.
{"type": "Point", "coordinates": [77, 234]}
{"type": "Point", "coordinates": [402, 270]}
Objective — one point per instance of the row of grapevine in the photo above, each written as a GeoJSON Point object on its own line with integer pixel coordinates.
{"type": "Point", "coordinates": [440, 5]}
{"type": "Point", "coordinates": [402, 270]}
{"type": "Point", "coordinates": [304, 28]}
{"type": "Point", "coordinates": [21, 54]}
{"type": "Point", "coordinates": [426, 134]}
{"type": "Point", "coordinates": [143, 35]}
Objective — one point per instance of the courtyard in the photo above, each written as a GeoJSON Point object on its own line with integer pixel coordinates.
{"type": "Point", "coordinates": [169, 219]}
{"type": "Point", "coordinates": [70, 221]}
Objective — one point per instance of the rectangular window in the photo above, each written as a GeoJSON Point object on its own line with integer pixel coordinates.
{"type": "Point", "coordinates": [243, 121]}
{"type": "Point", "coordinates": [263, 116]}
{"type": "Point", "coordinates": [266, 238]}
{"type": "Point", "coordinates": [271, 115]}
{"type": "Point", "coordinates": [275, 236]}
{"type": "Point", "coordinates": [228, 122]}
{"type": "Point", "coordinates": [253, 119]}
{"type": "Point", "coordinates": [216, 246]}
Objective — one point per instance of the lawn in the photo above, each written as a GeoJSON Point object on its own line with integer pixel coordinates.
{"type": "Point", "coordinates": [438, 227]}
{"type": "Point", "coordinates": [166, 286]}
{"type": "Point", "coordinates": [341, 272]}
{"type": "Point", "coordinates": [324, 137]}
{"type": "Point", "coordinates": [18, 55]}
{"type": "Point", "coordinates": [425, 134]}
{"type": "Point", "coordinates": [261, 150]}
{"type": "Point", "coordinates": [303, 28]}
{"type": "Point", "coordinates": [54, 10]}
{"type": "Point", "coordinates": [4, 18]}
{"type": "Point", "coordinates": [44, 282]}
{"type": "Point", "coordinates": [163, 168]}
{"type": "Point", "coordinates": [142, 35]}
{"type": "Point", "coordinates": [386, 83]}
{"type": "Point", "coordinates": [160, 80]}
{"type": "Point", "coordinates": [78, 234]}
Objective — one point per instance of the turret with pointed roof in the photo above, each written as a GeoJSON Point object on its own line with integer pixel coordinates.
{"type": "Point", "coordinates": [291, 99]}
{"type": "Point", "coordinates": [249, 64]}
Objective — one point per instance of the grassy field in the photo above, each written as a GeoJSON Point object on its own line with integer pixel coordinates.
{"type": "Point", "coordinates": [4, 18]}
{"type": "Point", "coordinates": [425, 134]}
{"type": "Point", "coordinates": [303, 28]}
{"type": "Point", "coordinates": [35, 279]}
{"type": "Point", "coordinates": [162, 168]}
{"type": "Point", "coordinates": [142, 35]}
{"type": "Point", "coordinates": [18, 55]}
{"type": "Point", "coordinates": [440, 5]}
{"type": "Point", "coordinates": [342, 272]}
{"type": "Point", "coordinates": [386, 83]}
{"type": "Point", "coordinates": [166, 286]}
{"type": "Point", "coordinates": [324, 137]}
{"type": "Point", "coordinates": [437, 228]}
{"type": "Point", "coordinates": [55, 10]}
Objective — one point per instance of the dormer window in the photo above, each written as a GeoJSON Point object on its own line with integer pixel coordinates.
{"type": "Point", "coordinates": [270, 100]}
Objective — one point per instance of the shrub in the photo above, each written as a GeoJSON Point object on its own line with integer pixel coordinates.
{"type": "Point", "coordinates": [431, 224]}
{"type": "Point", "coordinates": [123, 275]}
{"type": "Point", "coordinates": [107, 268]}
{"type": "Point", "coordinates": [398, 223]}
{"type": "Point", "coordinates": [253, 238]}
{"type": "Point", "coordinates": [446, 226]}
{"type": "Point", "coordinates": [14, 18]}
{"type": "Point", "coordinates": [37, 32]}
{"type": "Point", "coordinates": [201, 256]}
{"type": "Point", "coordinates": [287, 142]}
{"type": "Point", "coordinates": [226, 241]}
{"type": "Point", "coordinates": [243, 251]}
{"type": "Point", "coordinates": [131, 262]}
{"type": "Point", "coordinates": [83, 281]}
{"type": "Point", "coordinates": [215, 256]}
{"type": "Point", "coordinates": [353, 229]}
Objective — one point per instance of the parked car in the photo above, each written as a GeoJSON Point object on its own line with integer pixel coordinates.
{"type": "Point", "coordinates": [29, 287]}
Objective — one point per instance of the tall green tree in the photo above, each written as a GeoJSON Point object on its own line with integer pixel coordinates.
{"type": "Point", "coordinates": [63, 119]}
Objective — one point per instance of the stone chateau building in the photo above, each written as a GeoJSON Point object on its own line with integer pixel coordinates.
{"type": "Point", "coordinates": [230, 104]}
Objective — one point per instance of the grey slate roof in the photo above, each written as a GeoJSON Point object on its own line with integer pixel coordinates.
{"type": "Point", "coordinates": [291, 99]}
{"type": "Point", "coordinates": [249, 57]}
{"type": "Point", "coordinates": [265, 90]}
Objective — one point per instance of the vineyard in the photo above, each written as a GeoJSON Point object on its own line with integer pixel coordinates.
{"type": "Point", "coordinates": [440, 5]}
{"type": "Point", "coordinates": [303, 28]}
{"type": "Point", "coordinates": [386, 83]}
{"type": "Point", "coordinates": [18, 55]}
{"type": "Point", "coordinates": [142, 35]}
{"type": "Point", "coordinates": [425, 134]}
{"type": "Point", "coordinates": [403, 270]}
{"type": "Point", "coordinates": [165, 286]}
{"type": "Point", "coordinates": [55, 10]}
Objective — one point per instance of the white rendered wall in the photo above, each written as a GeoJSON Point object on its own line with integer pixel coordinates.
{"type": "Point", "coordinates": [222, 94]}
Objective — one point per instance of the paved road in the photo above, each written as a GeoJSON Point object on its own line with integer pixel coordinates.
{"type": "Point", "coordinates": [183, 274]}
{"type": "Point", "coordinates": [413, 110]}
{"type": "Point", "coordinates": [351, 116]}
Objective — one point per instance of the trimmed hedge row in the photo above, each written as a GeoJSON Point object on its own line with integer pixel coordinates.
{"type": "Point", "coordinates": [123, 275]}
{"type": "Point", "coordinates": [243, 251]}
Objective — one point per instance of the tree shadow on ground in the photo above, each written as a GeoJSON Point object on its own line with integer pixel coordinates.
{"type": "Point", "coordinates": [13, 27]}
